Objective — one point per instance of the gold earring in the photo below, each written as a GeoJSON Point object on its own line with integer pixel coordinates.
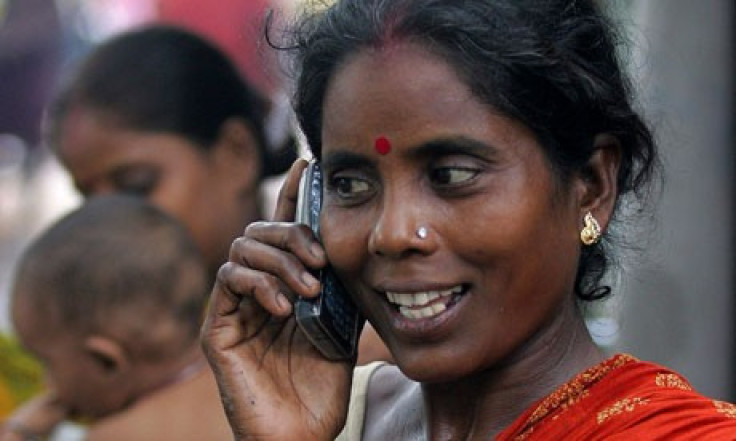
{"type": "Point", "coordinates": [591, 232]}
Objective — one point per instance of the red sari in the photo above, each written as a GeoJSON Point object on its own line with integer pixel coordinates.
{"type": "Point", "coordinates": [625, 399]}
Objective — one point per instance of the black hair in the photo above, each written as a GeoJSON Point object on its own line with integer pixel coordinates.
{"type": "Point", "coordinates": [116, 261]}
{"type": "Point", "coordinates": [161, 78]}
{"type": "Point", "coordinates": [551, 64]}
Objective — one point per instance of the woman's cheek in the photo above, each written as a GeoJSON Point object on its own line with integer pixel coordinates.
{"type": "Point", "coordinates": [342, 237]}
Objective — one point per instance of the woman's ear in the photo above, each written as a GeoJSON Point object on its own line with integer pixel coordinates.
{"type": "Point", "coordinates": [599, 179]}
{"type": "Point", "coordinates": [237, 155]}
{"type": "Point", "coordinates": [107, 353]}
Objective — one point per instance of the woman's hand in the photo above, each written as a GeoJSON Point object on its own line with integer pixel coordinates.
{"type": "Point", "coordinates": [35, 419]}
{"type": "Point", "coordinates": [274, 384]}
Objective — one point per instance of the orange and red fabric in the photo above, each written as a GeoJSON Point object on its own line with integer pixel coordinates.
{"type": "Point", "coordinates": [625, 399]}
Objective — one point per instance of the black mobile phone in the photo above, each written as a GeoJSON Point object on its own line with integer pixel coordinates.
{"type": "Point", "coordinates": [330, 321]}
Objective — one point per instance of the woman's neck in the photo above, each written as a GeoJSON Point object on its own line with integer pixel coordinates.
{"type": "Point", "coordinates": [480, 406]}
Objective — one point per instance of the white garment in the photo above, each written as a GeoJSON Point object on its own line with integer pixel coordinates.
{"type": "Point", "coordinates": [69, 432]}
{"type": "Point", "coordinates": [353, 430]}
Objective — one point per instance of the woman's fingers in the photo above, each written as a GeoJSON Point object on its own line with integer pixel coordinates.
{"type": "Point", "coordinates": [268, 269]}
{"type": "Point", "coordinates": [287, 251]}
{"type": "Point", "coordinates": [241, 284]}
{"type": "Point", "coordinates": [287, 198]}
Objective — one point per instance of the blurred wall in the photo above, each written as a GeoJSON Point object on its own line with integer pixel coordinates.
{"type": "Point", "coordinates": [30, 51]}
{"type": "Point", "coordinates": [677, 304]}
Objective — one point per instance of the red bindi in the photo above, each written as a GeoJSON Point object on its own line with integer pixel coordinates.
{"type": "Point", "coordinates": [382, 145]}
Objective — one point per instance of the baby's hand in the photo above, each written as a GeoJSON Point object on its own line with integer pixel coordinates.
{"type": "Point", "coordinates": [35, 419]}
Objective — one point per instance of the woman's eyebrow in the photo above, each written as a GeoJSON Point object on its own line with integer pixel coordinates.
{"type": "Point", "coordinates": [346, 159]}
{"type": "Point", "coordinates": [454, 145]}
{"type": "Point", "coordinates": [450, 145]}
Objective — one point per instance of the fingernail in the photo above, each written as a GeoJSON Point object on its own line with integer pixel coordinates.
{"type": "Point", "coordinates": [309, 281]}
{"type": "Point", "coordinates": [283, 302]}
{"type": "Point", "coordinates": [316, 250]}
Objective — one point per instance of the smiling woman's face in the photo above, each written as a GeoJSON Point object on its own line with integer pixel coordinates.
{"type": "Point", "coordinates": [407, 145]}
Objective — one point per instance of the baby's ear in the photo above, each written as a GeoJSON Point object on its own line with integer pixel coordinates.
{"type": "Point", "coordinates": [107, 353]}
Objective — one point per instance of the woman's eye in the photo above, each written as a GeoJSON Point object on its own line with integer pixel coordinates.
{"type": "Point", "coordinates": [138, 187]}
{"type": "Point", "coordinates": [137, 183]}
{"type": "Point", "coordinates": [452, 175]}
{"type": "Point", "coordinates": [350, 187]}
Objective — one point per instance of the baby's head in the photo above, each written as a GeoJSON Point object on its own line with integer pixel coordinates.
{"type": "Point", "coordinates": [104, 297]}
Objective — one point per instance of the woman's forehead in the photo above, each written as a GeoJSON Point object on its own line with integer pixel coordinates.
{"type": "Point", "coordinates": [391, 93]}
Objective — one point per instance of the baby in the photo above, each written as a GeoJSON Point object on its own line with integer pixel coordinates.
{"type": "Point", "coordinates": [110, 299]}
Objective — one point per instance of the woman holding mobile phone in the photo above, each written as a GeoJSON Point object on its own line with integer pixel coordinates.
{"type": "Point", "coordinates": [160, 113]}
{"type": "Point", "coordinates": [475, 156]}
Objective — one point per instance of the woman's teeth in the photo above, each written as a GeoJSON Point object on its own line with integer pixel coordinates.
{"type": "Point", "coordinates": [425, 312]}
{"type": "Point", "coordinates": [424, 304]}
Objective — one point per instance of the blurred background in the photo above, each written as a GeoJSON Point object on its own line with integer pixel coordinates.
{"type": "Point", "coordinates": [674, 295]}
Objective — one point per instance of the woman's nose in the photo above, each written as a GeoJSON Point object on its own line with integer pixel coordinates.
{"type": "Point", "coordinates": [401, 229]}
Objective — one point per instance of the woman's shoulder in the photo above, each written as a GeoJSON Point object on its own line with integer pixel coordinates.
{"type": "Point", "coordinates": [385, 383]}
{"type": "Point", "coordinates": [378, 389]}
{"type": "Point", "coordinates": [661, 403]}
{"type": "Point", "coordinates": [391, 406]}
{"type": "Point", "coordinates": [627, 397]}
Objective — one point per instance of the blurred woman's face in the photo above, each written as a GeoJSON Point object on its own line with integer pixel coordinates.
{"type": "Point", "coordinates": [407, 146]}
{"type": "Point", "coordinates": [199, 188]}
